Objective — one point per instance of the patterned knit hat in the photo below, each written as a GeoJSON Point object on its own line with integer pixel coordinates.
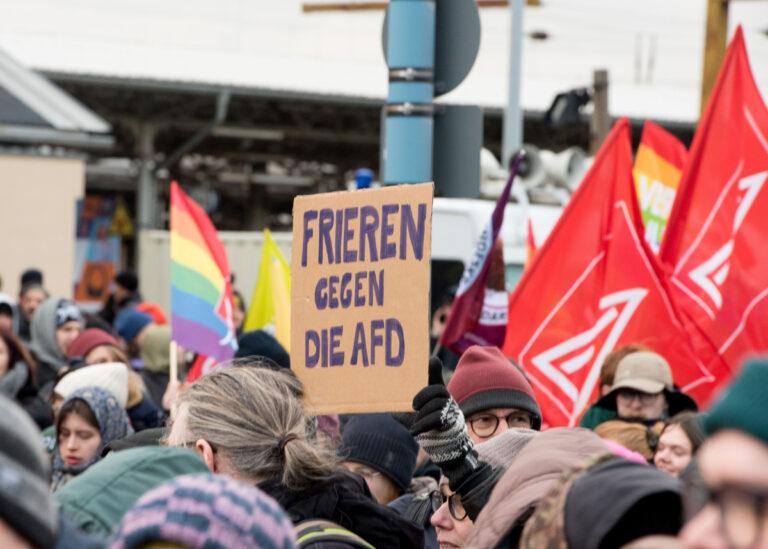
{"type": "Point", "coordinates": [205, 511]}
{"type": "Point", "coordinates": [380, 442]}
{"type": "Point", "coordinates": [744, 406]}
{"type": "Point", "coordinates": [66, 311]}
{"type": "Point", "coordinates": [486, 379]}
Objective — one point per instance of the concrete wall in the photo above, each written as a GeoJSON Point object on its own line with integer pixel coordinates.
{"type": "Point", "coordinates": [38, 197]}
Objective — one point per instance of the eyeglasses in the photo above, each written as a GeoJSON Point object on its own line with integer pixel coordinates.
{"type": "Point", "coordinates": [743, 510]}
{"type": "Point", "coordinates": [455, 507]}
{"type": "Point", "coordinates": [628, 395]}
{"type": "Point", "coordinates": [486, 425]}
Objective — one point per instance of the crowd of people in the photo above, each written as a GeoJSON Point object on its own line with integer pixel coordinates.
{"type": "Point", "coordinates": [100, 448]}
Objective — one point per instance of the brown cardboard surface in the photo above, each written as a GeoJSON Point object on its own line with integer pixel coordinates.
{"type": "Point", "coordinates": [397, 299]}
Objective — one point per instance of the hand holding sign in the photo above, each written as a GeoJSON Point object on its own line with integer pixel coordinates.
{"type": "Point", "coordinates": [360, 297]}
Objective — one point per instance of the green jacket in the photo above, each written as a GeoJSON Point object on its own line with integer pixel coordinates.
{"type": "Point", "coordinates": [97, 499]}
{"type": "Point", "coordinates": [596, 415]}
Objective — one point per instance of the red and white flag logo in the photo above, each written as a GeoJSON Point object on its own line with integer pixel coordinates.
{"type": "Point", "coordinates": [715, 243]}
{"type": "Point", "coordinates": [594, 286]}
{"type": "Point", "coordinates": [574, 364]}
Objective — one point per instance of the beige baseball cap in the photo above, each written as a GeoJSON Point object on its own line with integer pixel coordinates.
{"type": "Point", "coordinates": [644, 371]}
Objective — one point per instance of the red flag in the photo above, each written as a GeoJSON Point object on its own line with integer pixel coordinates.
{"type": "Point", "coordinates": [201, 366]}
{"type": "Point", "coordinates": [478, 314]}
{"type": "Point", "coordinates": [595, 285]}
{"type": "Point", "coordinates": [716, 239]}
{"type": "Point", "coordinates": [530, 245]}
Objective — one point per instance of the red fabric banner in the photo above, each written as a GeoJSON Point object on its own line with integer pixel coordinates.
{"type": "Point", "coordinates": [594, 286]}
{"type": "Point", "coordinates": [716, 238]}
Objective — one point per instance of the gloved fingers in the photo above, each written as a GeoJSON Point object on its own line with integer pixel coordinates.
{"type": "Point", "coordinates": [428, 393]}
{"type": "Point", "coordinates": [436, 371]}
{"type": "Point", "coordinates": [431, 422]}
{"type": "Point", "coordinates": [433, 405]}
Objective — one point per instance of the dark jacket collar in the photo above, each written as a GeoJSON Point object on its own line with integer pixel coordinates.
{"type": "Point", "coordinates": [346, 500]}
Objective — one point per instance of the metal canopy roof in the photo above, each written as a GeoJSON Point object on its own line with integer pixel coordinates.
{"type": "Point", "coordinates": [33, 110]}
{"type": "Point", "coordinates": [652, 49]}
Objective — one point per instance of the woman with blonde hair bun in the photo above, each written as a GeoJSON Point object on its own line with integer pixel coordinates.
{"type": "Point", "coordinates": [249, 423]}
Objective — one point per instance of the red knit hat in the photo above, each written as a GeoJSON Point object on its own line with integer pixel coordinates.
{"type": "Point", "coordinates": [88, 340]}
{"type": "Point", "coordinates": [486, 379]}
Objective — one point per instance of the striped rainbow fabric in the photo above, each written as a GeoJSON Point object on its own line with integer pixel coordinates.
{"type": "Point", "coordinates": [201, 287]}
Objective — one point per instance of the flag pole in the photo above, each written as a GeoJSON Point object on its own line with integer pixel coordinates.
{"type": "Point", "coordinates": [174, 369]}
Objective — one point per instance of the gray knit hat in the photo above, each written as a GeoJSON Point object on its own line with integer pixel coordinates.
{"type": "Point", "coordinates": [26, 503]}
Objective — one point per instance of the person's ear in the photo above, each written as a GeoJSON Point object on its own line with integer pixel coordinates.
{"type": "Point", "coordinates": [206, 452]}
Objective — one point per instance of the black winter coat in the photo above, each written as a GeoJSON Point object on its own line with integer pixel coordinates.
{"type": "Point", "coordinates": [346, 500]}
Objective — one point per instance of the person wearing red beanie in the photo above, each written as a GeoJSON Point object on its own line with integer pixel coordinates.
{"type": "Point", "coordinates": [493, 394]}
{"type": "Point", "coordinates": [87, 341]}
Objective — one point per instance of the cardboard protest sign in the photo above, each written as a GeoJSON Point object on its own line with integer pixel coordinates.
{"type": "Point", "coordinates": [360, 297]}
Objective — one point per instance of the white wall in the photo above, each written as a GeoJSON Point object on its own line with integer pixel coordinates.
{"type": "Point", "coordinates": [38, 198]}
{"type": "Point", "coordinates": [243, 253]}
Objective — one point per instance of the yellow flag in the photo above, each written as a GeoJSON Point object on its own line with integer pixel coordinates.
{"type": "Point", "coordinates": [271, 299]}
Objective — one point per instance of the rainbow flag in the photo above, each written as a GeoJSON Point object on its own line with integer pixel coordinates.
{"type": "Point", "coordinates": [201, 285]}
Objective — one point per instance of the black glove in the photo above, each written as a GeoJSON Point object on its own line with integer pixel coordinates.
{"type": "Point", "coordinates": [440, 430]}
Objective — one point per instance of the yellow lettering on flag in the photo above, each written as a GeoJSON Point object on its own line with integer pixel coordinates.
{"type": "Point", "coordinates": [271, 299]}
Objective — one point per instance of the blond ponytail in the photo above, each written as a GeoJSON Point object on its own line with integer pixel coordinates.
{"type": "Point", "coordinates": [255, 419]}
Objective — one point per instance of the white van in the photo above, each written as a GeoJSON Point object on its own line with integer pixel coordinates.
{"type": "Point", "coordinates": [456, 227]}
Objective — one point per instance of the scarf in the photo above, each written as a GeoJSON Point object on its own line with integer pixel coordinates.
{"type": "Point", "coordinates": [113, 424]}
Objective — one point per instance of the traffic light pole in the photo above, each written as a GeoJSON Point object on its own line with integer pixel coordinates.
{"type": "Point", "coordinates": [408, 115]}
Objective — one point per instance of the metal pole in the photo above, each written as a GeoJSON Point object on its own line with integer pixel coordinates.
{"type": "Point", "coordinates": [408, 123]}
{"type": "Point", "coordinates": [146, 198]}
{"type": "Point", "coordinates": [600, 124]}
{"type": "Point", "coordinates": [512, 138]}
{"type": "Point", "coordinates": [715, 42]}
